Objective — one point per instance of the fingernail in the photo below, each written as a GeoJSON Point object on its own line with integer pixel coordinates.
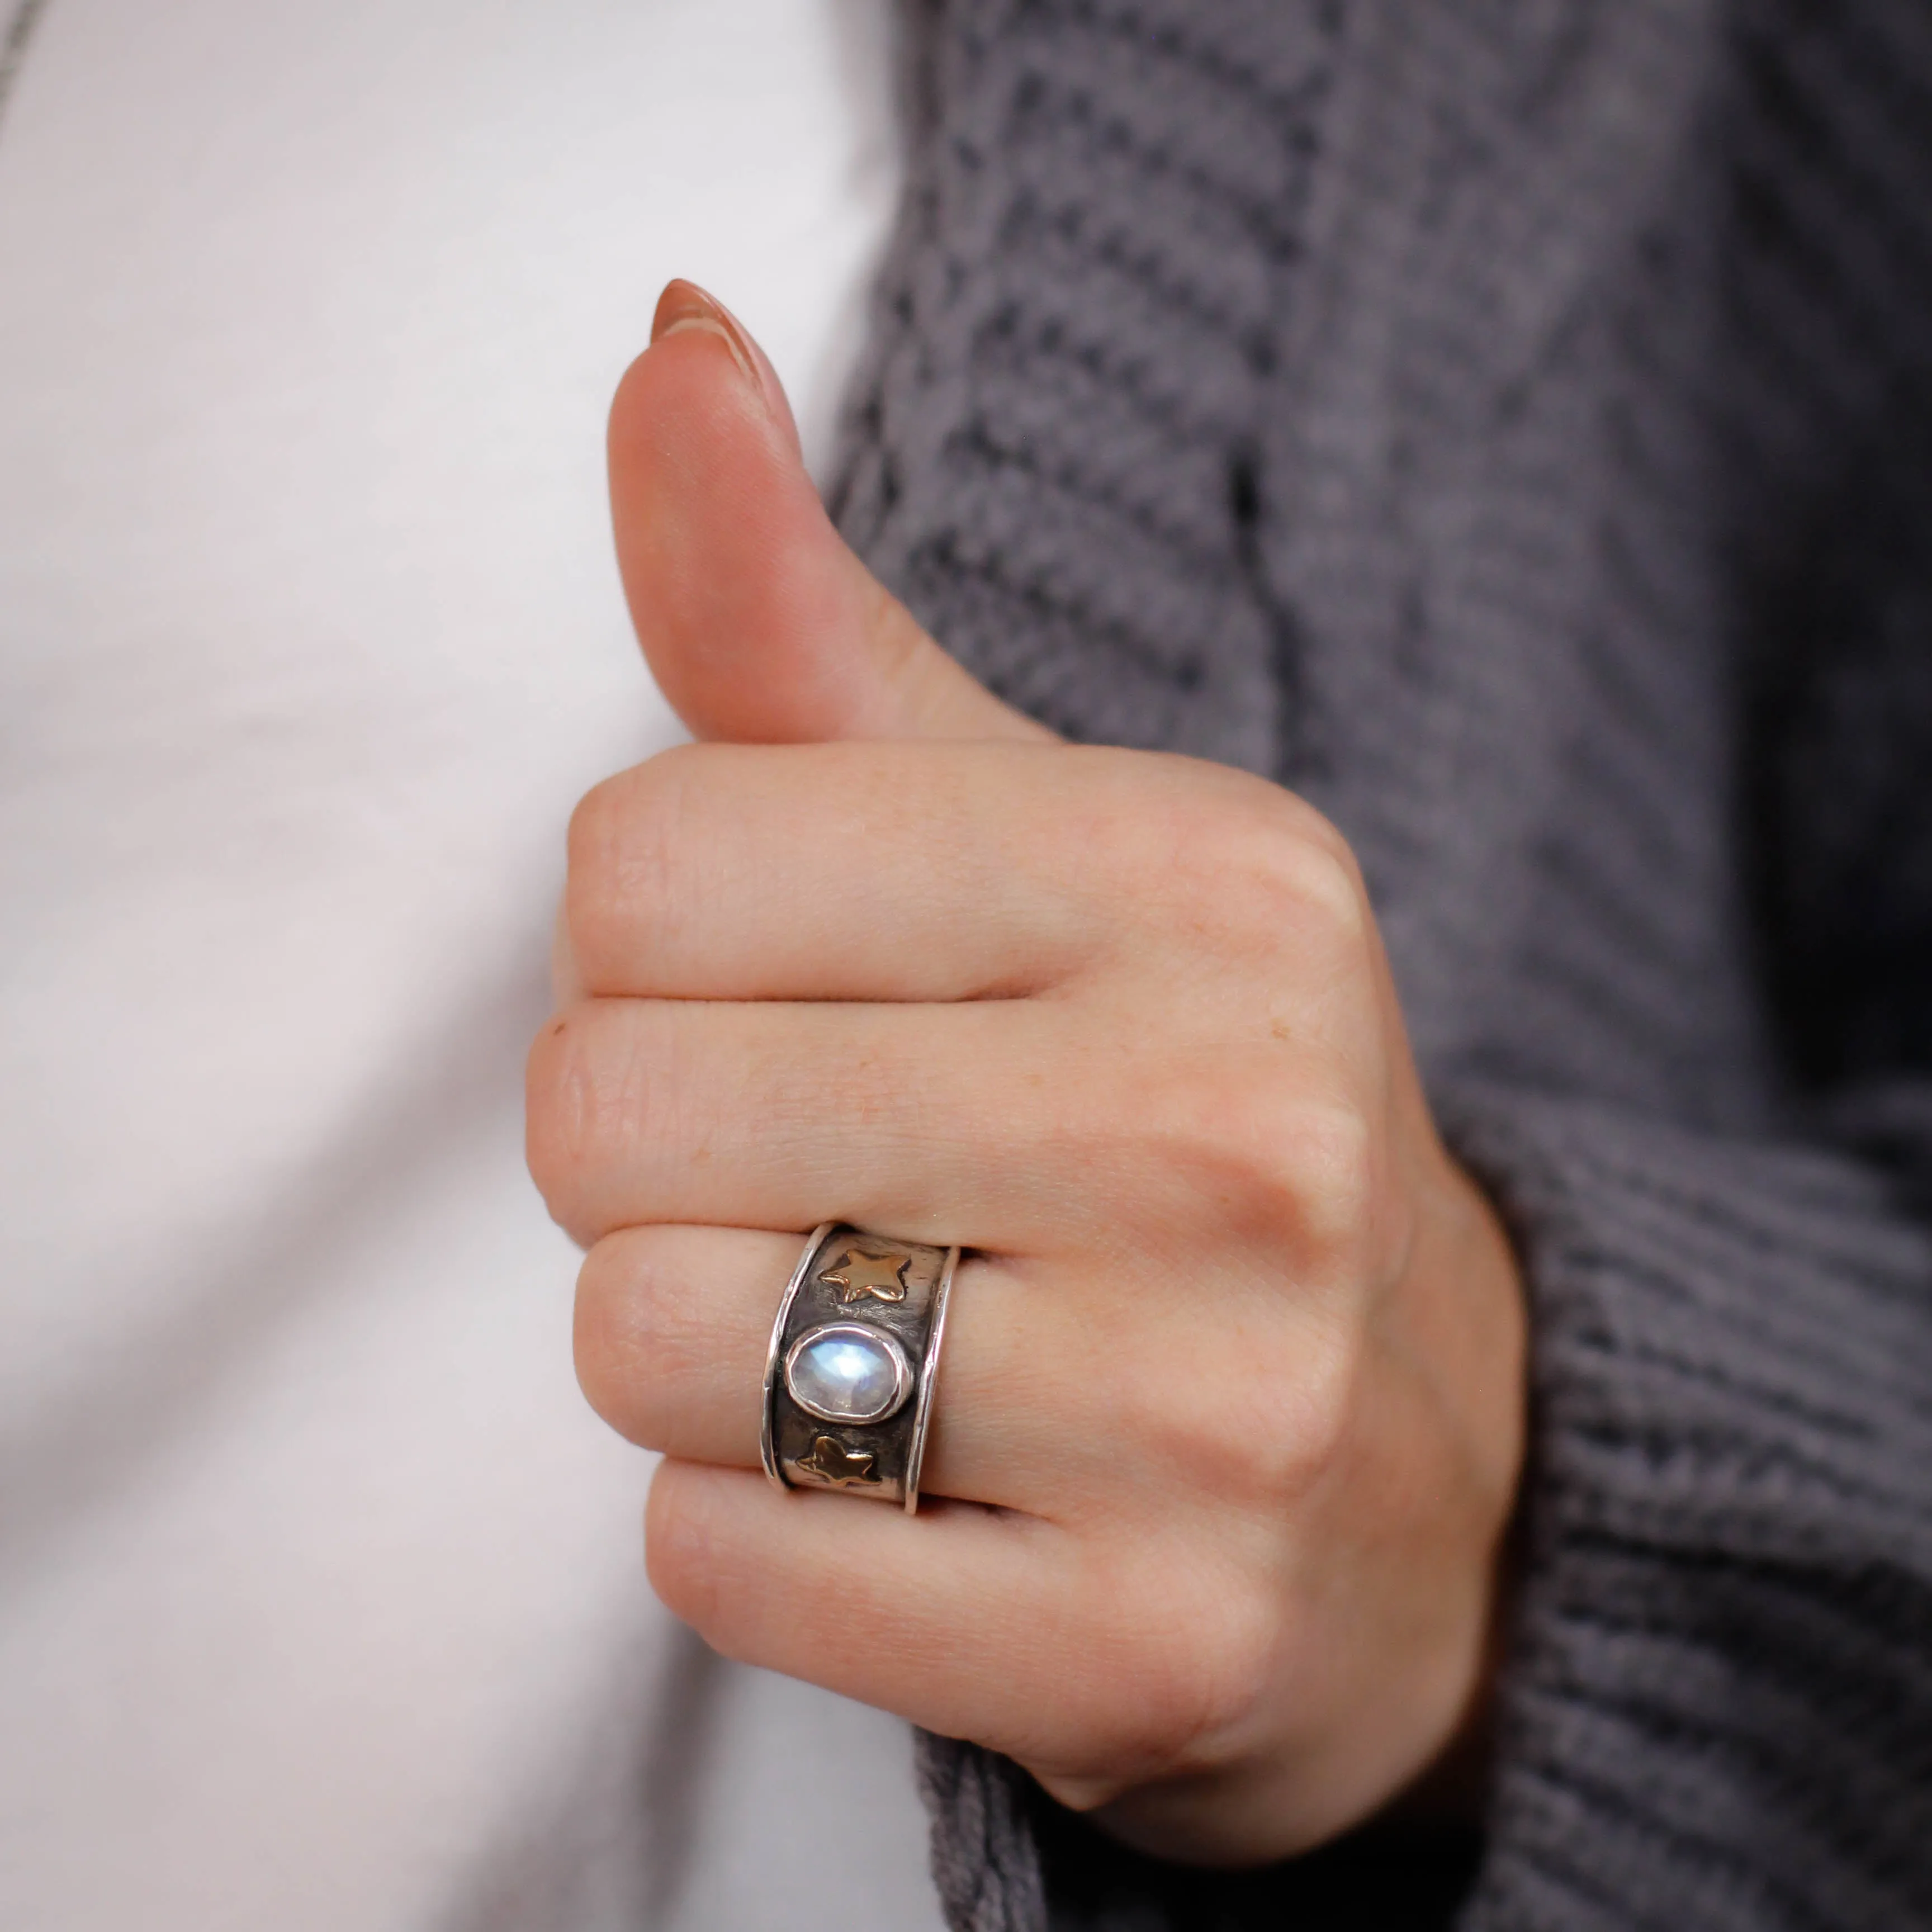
{"type": "Point", "coordinates": [684, 305]}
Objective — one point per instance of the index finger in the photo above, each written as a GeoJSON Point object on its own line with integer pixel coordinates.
{"type": "Point", "coordinates": [873, 871]}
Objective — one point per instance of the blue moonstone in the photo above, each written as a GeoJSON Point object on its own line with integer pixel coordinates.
{"type": "Point", "coordinates": [847, 1374]}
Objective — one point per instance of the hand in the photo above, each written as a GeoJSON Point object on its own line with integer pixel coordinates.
{"type": "Point", "coordinates": [1231, 1407]}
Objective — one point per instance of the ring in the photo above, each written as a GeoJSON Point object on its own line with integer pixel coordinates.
{"type": "Point", "coordinates": [854, 1353]}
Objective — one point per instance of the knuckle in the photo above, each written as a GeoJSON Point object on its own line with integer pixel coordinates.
{"type": "Point", "coordinates": [626, 877]}
{"type": "Point", "coordinates": [598, 1083]}
{"type": "Point", "coordinates": [1332, 1152]}
{"type": "Point", "coordinates": [1248, 843]}
{"type": "Point", "coordinates": [1300, 877]}
{"type": "Point", "coordinates": [680, 1556]}
{"type": "Point", "coordinates": [1289, 1417]}
{"type": "Point", "coordinates": [551, 1080]}
{"type": "Point", "coordinates": [1200, 1656]}
{"type": "Point", "coordinates": [594, 846]}
{"type": "Point", "coordinates": [628, 1355]}
{"type": "Point", "coordinates": [602, 1338]}
{"type": "Point", "coordinates": [1239, 1640]}
{"type": "Point", "coordinates": [1280, 1393]}
{"type": "Point", "coordinates": [1275, 1164]}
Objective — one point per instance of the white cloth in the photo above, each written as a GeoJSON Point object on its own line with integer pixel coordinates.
{"type": "Point", "coordinates": [323, 1604]}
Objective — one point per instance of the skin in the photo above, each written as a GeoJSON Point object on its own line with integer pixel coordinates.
{"type": "Point", "coordinates": [1231, 1417]}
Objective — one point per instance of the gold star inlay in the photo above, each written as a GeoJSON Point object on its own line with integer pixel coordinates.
{"type": "Point", "coordinates": [832, 1462]}
{"type": "Point", "coordinates": [860, 1273]}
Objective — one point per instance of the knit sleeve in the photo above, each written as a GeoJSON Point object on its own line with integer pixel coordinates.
{"type": "Point", "coordinates": [1717, 1708]}
{"type": "Point", "coordinates": [1051, 450]}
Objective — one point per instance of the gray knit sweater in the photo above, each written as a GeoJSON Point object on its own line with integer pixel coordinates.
{"type": "Point", "coordinates": [1511, 424]}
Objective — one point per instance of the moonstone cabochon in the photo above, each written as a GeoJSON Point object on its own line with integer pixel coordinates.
{"type": "Point", "coordinates": [847, 1372]}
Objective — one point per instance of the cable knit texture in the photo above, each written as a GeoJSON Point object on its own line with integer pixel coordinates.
{"type": "Point", "coordinates": [1512, 425]}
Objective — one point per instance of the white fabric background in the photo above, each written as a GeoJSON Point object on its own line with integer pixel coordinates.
{"type": "Point", "coordinates": [323, 1604]}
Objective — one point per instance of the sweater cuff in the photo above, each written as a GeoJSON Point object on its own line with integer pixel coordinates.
{"type": "Point", "coordinates": [986, 1859]}
{"type": "Point", "coordinates": [1717, 1709]}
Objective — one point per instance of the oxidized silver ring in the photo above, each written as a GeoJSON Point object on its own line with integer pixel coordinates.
{"type": "Point", "coordinates": [849, 1375]}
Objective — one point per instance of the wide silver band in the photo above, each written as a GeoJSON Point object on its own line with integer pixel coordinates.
{"type": "Point", "coordinates": [853, 1358]}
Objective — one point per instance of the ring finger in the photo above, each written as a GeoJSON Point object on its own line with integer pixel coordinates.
{"type": "Point", "coordinates": [672, 1324]}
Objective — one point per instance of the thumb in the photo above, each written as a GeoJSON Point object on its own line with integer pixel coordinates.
{"type": "Point", "coordinates": [759, 624]}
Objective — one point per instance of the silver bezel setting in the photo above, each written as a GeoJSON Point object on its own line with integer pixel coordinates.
{"type": "Point", "coordinates": [768, 1452]}
{"type": "Point", "coordinates": [801, 1445]}
{"type": "Point", "coordinates": [902, 1377]}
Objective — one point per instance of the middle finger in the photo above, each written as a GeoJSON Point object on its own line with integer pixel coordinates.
{"type": "Point", "coordinates": [922, 1119]}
